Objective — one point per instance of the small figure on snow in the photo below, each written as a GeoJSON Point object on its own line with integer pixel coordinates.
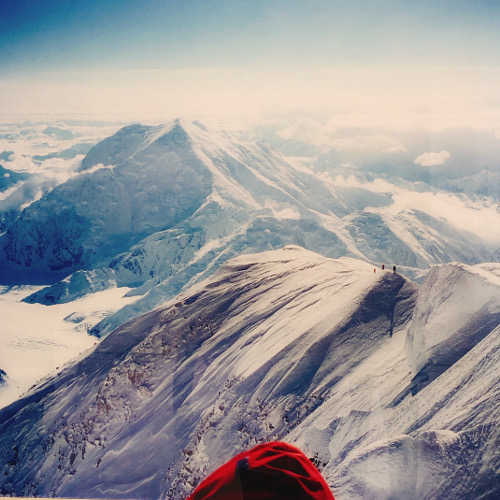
{"type": "Point", "coordinates": [394, 269]}
{"type": "Point", "coordinates": [375, 270]}
{"type": "Point", "coordinates": [383, 267]}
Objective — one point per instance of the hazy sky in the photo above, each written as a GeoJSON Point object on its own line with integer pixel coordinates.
{"type": "Point", "coordinates": [357, 58]}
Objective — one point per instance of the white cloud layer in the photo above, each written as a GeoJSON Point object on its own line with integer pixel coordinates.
{"type": "Point", "coordinates": [310, 132]}
{"type": "Point", "coordinates": [328, 136]}
{"type": "Point", "coordinates": [480, 219]}
{"type": "Point", "coordinates": [383, 98]}
{"type": "Point", "coordinates": [431, 159]}
{"type": "Point", "coordinates": [477, 217]}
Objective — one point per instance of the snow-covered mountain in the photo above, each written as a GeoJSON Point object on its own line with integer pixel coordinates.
{"type": "Point", "coordinates": [483, 183]}
{"type": "Point", "coordinates": [159, 208]}
{"type": "Point", "coordinates": [8, 181]}
{"type": "Point", "coordinates": [8, 178]}
{"type": "Point", "coordinates": [392, 387]}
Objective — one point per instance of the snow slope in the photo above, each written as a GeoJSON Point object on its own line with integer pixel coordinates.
{"type": "Point", "coordinates": [280, 345]}
{"type": "Point", "coordinates": [39, 156]}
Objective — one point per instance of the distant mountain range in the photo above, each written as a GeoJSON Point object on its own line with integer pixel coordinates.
{"type": "Point", "coordinates": [159, 208]}
{"type": "Point", "coordinates": [390, 386]}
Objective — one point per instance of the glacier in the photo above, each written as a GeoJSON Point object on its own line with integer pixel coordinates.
{"type": "Point", "coordinates": [285, 344]}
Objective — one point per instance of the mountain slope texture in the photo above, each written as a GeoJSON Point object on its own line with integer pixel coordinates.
{"type": "Point", "coordinates": [392, 388]}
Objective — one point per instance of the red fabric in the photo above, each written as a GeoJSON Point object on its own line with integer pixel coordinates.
{"type": "Point", "coordinates": [269, 471]}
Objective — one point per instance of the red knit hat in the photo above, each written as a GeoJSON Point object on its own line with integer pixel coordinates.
{"type": "Point", "coordinates": [269, 471]}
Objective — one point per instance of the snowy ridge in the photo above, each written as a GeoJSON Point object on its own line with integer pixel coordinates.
{"type": "Point", "coordinates": [461, 307]}
{"type": "Point", "coordinates": [280, 345]}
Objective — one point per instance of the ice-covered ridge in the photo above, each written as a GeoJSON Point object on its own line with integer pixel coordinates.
{"type": "Point", "coordinates": [489, 271]}
{"type": "Point", "coordinates": [311, 283]}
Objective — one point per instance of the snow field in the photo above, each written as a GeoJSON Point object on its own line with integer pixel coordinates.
{"type": "Point", "coordinates": [35, 340]}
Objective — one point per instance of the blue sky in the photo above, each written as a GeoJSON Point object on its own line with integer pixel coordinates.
{"type": "Point", "coordinates": [93, 34]}
{"type": "Point", "coordinates": [238, 46]}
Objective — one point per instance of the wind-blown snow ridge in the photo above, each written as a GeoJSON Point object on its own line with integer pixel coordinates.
{"type": "Point", "coordinates": [280, 345]}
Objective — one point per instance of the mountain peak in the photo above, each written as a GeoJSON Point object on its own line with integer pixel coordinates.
{"type": "Point", "coordinates": [174, 135]}
{"type": "Point", "coordinates": [117, 148]}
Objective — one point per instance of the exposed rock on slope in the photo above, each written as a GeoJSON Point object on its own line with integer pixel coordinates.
{"type": "Point", "coordinates": [8, 178]}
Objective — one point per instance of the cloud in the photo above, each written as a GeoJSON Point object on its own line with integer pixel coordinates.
{"type": "Point", "coordinates": [476, 217]}
{"type": "Point", "coordinates": [309, 131]}
{"type": "Point", "coordinates": [95, 168]}
{"type": "Point", "coordinates": [332, 135]}
{"type": "Point", "coordinates": [383, 99]}
{"type": "Point", "coordinates": [431, 159]}
{"type": "Point", "coordinates": [367, 141]}
{"type": "Point", "coordinates": [395, 149]}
